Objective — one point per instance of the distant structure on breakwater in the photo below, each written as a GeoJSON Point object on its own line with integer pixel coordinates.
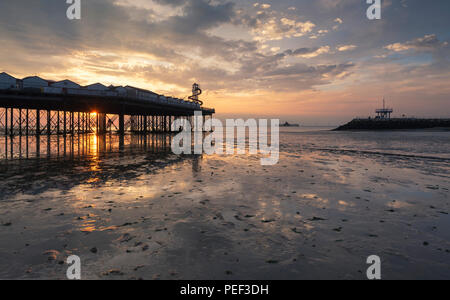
{"type": "Point", "coordinates": [384, 113]}
{"type": "Point", "coordinates": [393, 124]}
{"type": "Point", "coordinates": [383, 121]}
{"type": "Point", "coordinates": [33, 105]}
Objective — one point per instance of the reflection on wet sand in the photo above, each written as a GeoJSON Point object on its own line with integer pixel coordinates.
{"type": "Point", "coordinates": [92, 159]}
{"type": "Point", "coordinates": [90, 146]}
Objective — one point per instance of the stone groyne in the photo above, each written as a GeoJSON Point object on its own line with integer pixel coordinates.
{"type": "Point", "coordinates": [393, 124]}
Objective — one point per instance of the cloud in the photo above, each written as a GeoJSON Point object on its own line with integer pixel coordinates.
{"type": "Point", "coordinates": [266, 27]}
{"type": "Point", "coordinates": [308, 52]}
{"type": "Point", "coordinates": [427, 43]}
{"type": "Point", "coordinates": [346, 48]}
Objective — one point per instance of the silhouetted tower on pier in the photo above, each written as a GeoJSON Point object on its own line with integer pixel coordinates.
{"type": "Point", "coordinates": [196, 92]}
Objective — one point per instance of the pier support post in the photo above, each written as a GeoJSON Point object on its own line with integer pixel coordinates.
{"type": "Point", "coordinates": [72, 122]}
{"type": "Point", "coordinates": [49, 125]}
{"type": "Point", "coordinates": [78, 123]}
{"type": "Point", "coordinates": [65, 123]}
{"type": "Point", "coordinates": [20, 121]}
{"type": "Point", "coordinates": [38, 122]}
{"type": "Point", "coordinates": [6, 124]}
{"type": "Point", "coordinates": [121, 123]}
{"type": "Point", "coordinates": [133, 123]}
{"type": "Point", "coordinates": [84, 123]}
{"type": "Point", "coordinates": [58, 120]}
{"type": "Point", "coordinates": [12, 122]}
{"type": "Point", "coordinates": [27, 121]}
{"type": "Point", "coordinates": [101, 121]}
{"type": "Point", "coordinates": [145, 124]}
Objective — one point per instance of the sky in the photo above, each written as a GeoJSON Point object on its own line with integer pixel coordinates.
{"type": "Point", "coordinates": [319, 62]}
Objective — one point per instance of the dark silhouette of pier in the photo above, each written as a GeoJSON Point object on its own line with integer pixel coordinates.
{"type": "Point", "coordinates": [24, 113]}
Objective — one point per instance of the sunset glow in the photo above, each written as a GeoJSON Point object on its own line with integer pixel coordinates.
{"type": "Point", "coordinates": [311, 60]}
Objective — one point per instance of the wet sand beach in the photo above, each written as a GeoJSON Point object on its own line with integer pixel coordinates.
{"type": "Point", "coordinates": [133, 210]}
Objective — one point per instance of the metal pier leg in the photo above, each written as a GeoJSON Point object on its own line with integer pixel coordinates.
{"type": "Point", "coordinates": [78, 122]}
{"type": "Point", "coordinates": [27, 125]}
{"type": "Point", "coordinates": [145, 124]}
{"type": "Point", "coordinates": [20, 121]}
{"type": "Point", "coordinates": [139, 124]}
{"type": "Point", "coordinates": [6, 123]}
{"type": "Point", "coordinates": [49, 125]}
{"type": "Point", "coordinates": [101, 123]}
{"type": "Point", "coordinates": [65, 124]}
{"type": "Point", "coordinates": [58, 121]}
{"type": "Point", "coordinates": [12, 122]}
{"type": "Point", "coordinates": [38, 122]}
{"type": "Point", "coordinates": [121, 124]}
{"type": "Point", "coordinates": [89, 123]}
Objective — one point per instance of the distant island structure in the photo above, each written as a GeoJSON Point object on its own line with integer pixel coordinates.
{"type": "Point", "coordinates": [384, 121]}
{"type": "Point", "coordinates": [287, 124]}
